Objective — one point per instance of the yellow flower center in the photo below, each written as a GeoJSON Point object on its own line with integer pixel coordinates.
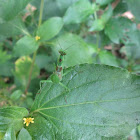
{"type": "Point", "coordinates": [37, 38]}
{"type": "Point", "coordinates": [27, 121]}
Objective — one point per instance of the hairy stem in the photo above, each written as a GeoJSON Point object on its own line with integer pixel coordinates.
{"type": "Point", "coordinates": [34, 55]}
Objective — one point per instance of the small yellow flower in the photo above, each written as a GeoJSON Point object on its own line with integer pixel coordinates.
{"type": "Point", "coordinates": [27, 121]}
{"type": "Point", "coordinates": [37, 38]}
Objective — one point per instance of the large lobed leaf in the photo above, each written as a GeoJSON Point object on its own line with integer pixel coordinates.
{"type": "Point", "coordinates": [11, 121]}
{"type": "Point", "coordinates": [103, 103]}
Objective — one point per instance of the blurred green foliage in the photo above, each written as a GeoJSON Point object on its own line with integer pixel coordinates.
{"type": "Point", "coordinates": [105, 32]}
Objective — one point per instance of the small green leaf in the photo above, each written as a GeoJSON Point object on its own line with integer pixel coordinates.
{"type": "Point", "coordinates": [132, 45]}
{"type": "Point", "coordinates": [103, 102]}
{"type": "Point", "coordinates": [4, 57]}
{"type": "Point", "coordinates": [107, 14]}
{"type": "Point", "coordinates": [22, 70]}
{"type": "Point", "coordinates": [107, 58]}
{"type": "Point", "coordinates": [25, 46]}
{"type": "Point", "coordinates": [11, 120]}
{"type": "Point", "coordinates": [16, 95]}
{"type": "Point", "coordinates": [116, 28]}
{"type": "Point", "coordinates": [77, 51]}
{"type": "Point", "coordinates": [78, 12]}
{"type": "Point", "coordinates": [24, 135]}
{"type": "Point", "coordinates": [99, 24]}
{"type": "Point", "coordinates": [50, 28]}
{"type": "Point", "coordinates": [103, 2]}
{"type": "Point", "coordinates": [11, 8]}
{"type": "Point", "coordinates": [113, 31]}
{"type": "Point", "coordinates": [10, 134]}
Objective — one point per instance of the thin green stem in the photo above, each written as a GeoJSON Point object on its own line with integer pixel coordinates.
{"type": "Point", "coordinates": [35, 53]}
{"type": "Point", "coordinates": [97, 39]}
{"type": "Point", "coordinates": [41, 12]}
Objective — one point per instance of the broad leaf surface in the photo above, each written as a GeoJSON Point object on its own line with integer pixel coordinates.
{"type": "Point", "coordinates": [11, 8]}
{"type": "Point", "coordinates": [25, 46]}
{"type": "Point", "coordinates": [78, 12]}
{"type": "Point", "coordinates": [103, 102]}
{"type": "Point", "coordinates": [50, 28]}
{"type": "Point", "coordinates": [77, 51]}
{"type": "Point", "coordinates": [11, 120]}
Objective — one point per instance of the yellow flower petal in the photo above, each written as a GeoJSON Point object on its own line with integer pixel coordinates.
{"type": "Point", "coordinates": [37, 38]}
{"type": "Point", "coordinates": [27, 121]}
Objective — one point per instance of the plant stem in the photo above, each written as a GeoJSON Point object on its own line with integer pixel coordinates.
{"type": "Point", "coordinates": [35, 53]}
{"type": "Point", "coordinates": [41, 12]}
{"type": "Point", "coordinates": [97, 37]}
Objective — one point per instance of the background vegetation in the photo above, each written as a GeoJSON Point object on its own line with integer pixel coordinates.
{"type": "Point", "coordinates": [93, 34]}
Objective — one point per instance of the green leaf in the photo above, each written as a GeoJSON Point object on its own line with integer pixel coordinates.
{"type": "Point", "coordinates": [10, 134]}
{"type": "Point", "coordinates": [78, 12]}
{"type": "Point", "coordinates": [99, 24]}
{"type": "Point", "coordinates": [107, 58]}
{"type": "Point", "coordinates": [13, 27]}
{"type": "Point", "coordinates": [25, 46]}
{"type": "Point", "coordinates": [133, 5]}
{"type": "Point", "coordinates": [24, 135]}
{"type": "Point", "coordinates": [11, 8]}
{"type": "Point", "coordinates": [107, 14]}
{"type": "Point", "coordinates": [77, 51]}
{"type": "Point", "coordinates": [41, 129]}
{"type": "Point", "coordinates": [50, 28]}
{"type": "Point", "coordinates": [116, 28]}
{"type": "Point", "coordinates": [11, 120]}
{"type": "Point", "coordinates": [16, 95]}
{"type": "Point", "coordinates": [45, 61]}
{"type": "Point", "coordinates": [103, 102]}
{"type": "Point", "coordinates": [63, 5]}
{"type": "Point", "coordinates": [4, 57]}
{"type": "Point", "coordinates": [22, 70]}
{"type": "Point", "coordinates": [103, 2]}
{"type": "Point", "coordinates": [113, 31]}
{"type": "Point", "coordinates": [132, 45]}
